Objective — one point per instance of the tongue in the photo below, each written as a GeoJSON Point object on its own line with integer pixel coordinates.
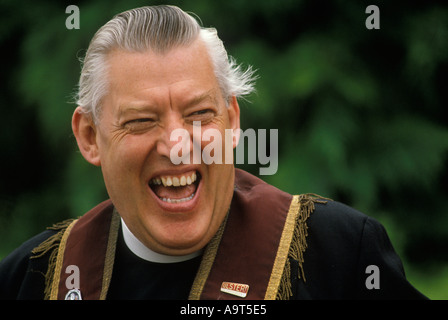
{"type": "Point", "coordinates": [174, 192]}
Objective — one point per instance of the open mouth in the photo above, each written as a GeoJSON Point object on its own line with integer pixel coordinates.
{"type": "Point", "coordinates": [176, 188]}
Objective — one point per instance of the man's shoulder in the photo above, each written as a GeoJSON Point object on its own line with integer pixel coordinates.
{"type": "Point", "coordinates": [24, 251]}
{"type": "Point", "coordinates": [337, 223]}
{"type": "Point", "coordinates": [334, 214]}
{"type": "Point", "coordinates": [17, 266]}
{"type": "Point", "coordinates": [24, 271]}
{"type": "Point", "coordinates": [342, 244]}
{"type": "Point", "coordinates": [335, 230]}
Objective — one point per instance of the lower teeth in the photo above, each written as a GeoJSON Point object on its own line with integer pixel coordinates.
{"type": "Point", "coordinates": [178, 200]}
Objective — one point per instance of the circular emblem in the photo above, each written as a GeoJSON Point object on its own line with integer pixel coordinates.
{"type": "Point", "coordinates": [73, 294]}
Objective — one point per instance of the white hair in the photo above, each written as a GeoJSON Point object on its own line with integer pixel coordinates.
{"type": "Point", "coordinates": [156, 28]}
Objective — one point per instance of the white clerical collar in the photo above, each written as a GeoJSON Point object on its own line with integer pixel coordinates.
{"type": "Point", "coordinates": [142, 251]}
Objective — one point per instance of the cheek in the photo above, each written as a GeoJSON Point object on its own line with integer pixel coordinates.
{"type": "Point", "coordinates": [213, 138]}
{"type": "Point", "coordinates": [125, 158]}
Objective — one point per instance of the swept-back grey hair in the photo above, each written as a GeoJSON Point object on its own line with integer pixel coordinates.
{"type": "Point", "coordinates": [157, 29]}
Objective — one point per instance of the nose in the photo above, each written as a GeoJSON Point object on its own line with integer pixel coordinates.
{"type": "Point", "coordinates": [174, 142]}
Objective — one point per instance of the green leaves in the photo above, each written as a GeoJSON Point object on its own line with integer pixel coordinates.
{"type": "Point", "coordinates": [360, 113]}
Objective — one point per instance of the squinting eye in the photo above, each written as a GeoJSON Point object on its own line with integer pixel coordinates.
{"type": "Point", "coordinates": [139, 124]}
{"type": "Point", "coordinates": [203, 115]}
{"type": "Point", "coordinates": [201, 112]}
{"type": "Point", "coordinates": [140, 120]}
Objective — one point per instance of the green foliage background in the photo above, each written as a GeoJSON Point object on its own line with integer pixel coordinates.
{"type": "Point", "coordinates": [361, 113]}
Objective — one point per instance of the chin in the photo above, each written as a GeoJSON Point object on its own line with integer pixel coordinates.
{"type": "Point", "coordinates": [180, 246]}
{"type": "Point", "coordinates": [182, 237]}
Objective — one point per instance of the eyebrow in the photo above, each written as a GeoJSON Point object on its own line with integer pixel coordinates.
{"type": "Point", "coordinates": [125, 109]}
{"type": "Point", "coordinates": [208, 95]}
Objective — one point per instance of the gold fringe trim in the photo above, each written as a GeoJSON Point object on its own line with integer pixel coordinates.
{"type": "Point", "coordinates": [298, 244]}
{"type": "Point", "coordinates": [58, 264]}
{"type": "Point", "coordinates": [110, 253]}
{"type": "Point", "coordinates": [276, 280]}
{"type": "Point", "coordinates": [207, 262]}
{"type": "Point", "coordinates": [51, 244]}
{"type": "Point", "coordinates": [58, 240]}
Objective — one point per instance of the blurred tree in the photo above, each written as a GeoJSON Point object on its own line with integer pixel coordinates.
{"type": "Point", "coordinates": [360, 112]}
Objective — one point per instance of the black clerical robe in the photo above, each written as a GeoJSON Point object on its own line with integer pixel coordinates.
{"type": "Point", "coordinates": [271, 244]}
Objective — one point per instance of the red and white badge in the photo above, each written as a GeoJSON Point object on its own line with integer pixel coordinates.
{"type": "Point", "coordinates": [236, 289]}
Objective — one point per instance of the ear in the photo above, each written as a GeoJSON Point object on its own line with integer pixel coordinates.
{"type": "Point", "coordinates": [85, 131]}
{"type": "Point", "coordinates": [234, 119]}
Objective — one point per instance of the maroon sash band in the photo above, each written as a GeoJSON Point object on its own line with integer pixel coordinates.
{"type": "Point", "coordinates": [86, 247]}
{"type": "Point", "coordinates": [250, 241]}
{"type": "Point", "coordinates": [248, 253]}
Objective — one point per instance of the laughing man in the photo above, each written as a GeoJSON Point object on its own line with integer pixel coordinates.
{"type": "Point", "coordinates": [188, 231]}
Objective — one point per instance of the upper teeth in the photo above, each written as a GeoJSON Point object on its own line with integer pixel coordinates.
{"type": "Point", "coordinates": [175, 181]}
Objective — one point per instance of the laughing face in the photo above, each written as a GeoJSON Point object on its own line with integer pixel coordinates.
{"type": "Point", "coordinates": [172, 209]}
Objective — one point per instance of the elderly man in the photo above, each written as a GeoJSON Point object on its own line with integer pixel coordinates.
{"type": "Point", "coordinates": [189, 230]}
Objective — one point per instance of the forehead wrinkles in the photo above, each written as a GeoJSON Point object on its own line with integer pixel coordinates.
{"type": "Point", "coordinates": [175, 64]}
{"type": "Point", "coordinates": [130, 79]}
{"type": "Point", "coordinates": [183, 76]}
{"type": "Point", "coordinates": [208, 96]}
